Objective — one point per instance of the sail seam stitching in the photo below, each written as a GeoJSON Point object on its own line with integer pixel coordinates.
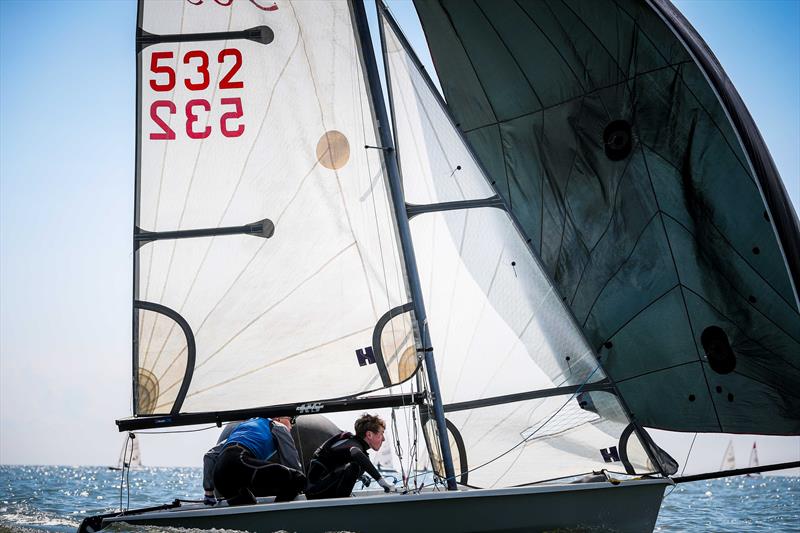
{"type": "Point", "coordinates": [508, 50]}
{"type": "Point", "coordinates": [722, 234]}
{"type": "Point", "coordinates": [614, 211]}
{"type": "Point", "coordinates": [678, 276]}
{"type": "Point", "coordinates": [568, 100]}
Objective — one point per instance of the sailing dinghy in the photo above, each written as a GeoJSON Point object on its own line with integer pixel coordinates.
{"type": "Point", "coordinates": [129, 456]}
{"type": "Point", "coordinates": [293, 255]}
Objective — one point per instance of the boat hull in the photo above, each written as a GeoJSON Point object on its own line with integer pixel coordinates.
{"type": "Point", "coordinates": [630, 506]}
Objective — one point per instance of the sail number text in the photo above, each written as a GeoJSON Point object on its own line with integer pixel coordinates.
{"type": "Point", "coordinates": [164, 79]}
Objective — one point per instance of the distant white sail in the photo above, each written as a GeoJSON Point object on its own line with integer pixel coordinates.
{"type": "Point", "coordinates": [729, 459]}
{"type": "Point", "coordinates": [383, 459]}
{"type": "Point", "coordinates": [130, 455]}
{"type": "Point", "coordinates": [753, 463]}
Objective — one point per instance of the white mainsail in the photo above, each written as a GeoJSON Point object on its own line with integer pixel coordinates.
{"type": "Point", "coordinates": [236, 131]}
{"type": "Point", "coordinates": [497, 325]}
{"type": "Point", "coordinates": [729, 459]}
{"type": "Point", "coordinates": [753, 462]}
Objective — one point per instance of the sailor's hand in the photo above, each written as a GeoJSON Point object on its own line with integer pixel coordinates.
{"type": "Point", "coordinates": [209, 499]}
{"type": "Point", "coordinates": [387, 487]}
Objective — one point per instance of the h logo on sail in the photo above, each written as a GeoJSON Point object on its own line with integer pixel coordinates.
{"type": "Point", "coordinates": [365, 356]}
{"type": "Point", "coordinates": [610, 455]}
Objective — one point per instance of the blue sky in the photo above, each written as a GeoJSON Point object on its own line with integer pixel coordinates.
{"type": "Point", "coordinates": [66, 206]}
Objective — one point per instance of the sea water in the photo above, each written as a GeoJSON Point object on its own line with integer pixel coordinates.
{"type": "Point", "coordinates": [57, 498]}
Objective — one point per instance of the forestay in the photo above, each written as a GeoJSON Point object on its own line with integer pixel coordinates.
{"type": "Point", "coordinates": [497, 325]}
{"type": "Point", "coordinates": [245, 115]}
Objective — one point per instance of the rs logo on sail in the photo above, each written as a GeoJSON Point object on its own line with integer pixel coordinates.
{"type": "Point", "coordinates": [226, 3]}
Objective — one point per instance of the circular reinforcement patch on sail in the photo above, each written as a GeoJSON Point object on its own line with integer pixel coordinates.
{"type": "Point", "coordinates": [333, 150]}
{"type": "Point", "coordinates": [148, 392]}
{"type": "Point", "coordinates": [408, 363]}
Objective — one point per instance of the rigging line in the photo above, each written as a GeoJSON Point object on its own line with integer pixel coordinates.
{"type": "Point", "coordinates": [660, 369]}
{"type": "Point", "coordinates": [336, 171]}
{"type": "Point", "coordinates": [371, 189]}
{"type": "Point", "coordinates": [186, 196]}
{"type": "Point", "coordinates": [278, 361]}
{"type": "Point", "coordinates": [394, 135]}
{"type": "Point", "coordinates": [399, 274]}
{"type": "Point", "coordinates": [528, 438]}
{"type": "Point", "coordinates": [122, 473]}
{"type": "Point", "coordinates": [230, 200]}
{"type": "Point", "coordinates": [678, 276]}
{"type": "Point", "coordinates": [576, 421]}
{"type": "Point", "coordinates": [688, 454]}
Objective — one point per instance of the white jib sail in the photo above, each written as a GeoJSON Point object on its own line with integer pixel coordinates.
{"type": "Point", "coordinates": [729, 459]}
{"type": "Point", "coordinates": [235, 131]}
{"type": "Point", "coordinates": [497, 325]}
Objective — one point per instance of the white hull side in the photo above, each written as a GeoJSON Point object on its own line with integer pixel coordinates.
{"type": "Point", "coordinates": [631, 506]}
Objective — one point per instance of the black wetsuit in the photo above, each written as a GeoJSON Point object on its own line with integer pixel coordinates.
{"type": "Point", "coordinates": [337, 465]}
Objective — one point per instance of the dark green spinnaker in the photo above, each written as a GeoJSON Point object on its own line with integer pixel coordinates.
{"type": "Point", "coordinates": [633, 166]}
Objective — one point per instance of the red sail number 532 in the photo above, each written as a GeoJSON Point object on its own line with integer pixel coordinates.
{"type": "Point", "coordinates": [199, 81]}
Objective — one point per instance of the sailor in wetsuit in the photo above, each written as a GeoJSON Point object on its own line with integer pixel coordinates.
{"type": "Point", "coordinates": [246, 466]}
{"type": "Point", "coordinates": [342, 459]}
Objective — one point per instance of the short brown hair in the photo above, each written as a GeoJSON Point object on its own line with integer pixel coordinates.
{"type": "Point", "coordinates": [368, 422]}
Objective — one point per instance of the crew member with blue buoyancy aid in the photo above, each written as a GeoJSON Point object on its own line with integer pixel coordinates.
{"type": "Point", "coordinates": [342, 459]}
{"type": "Point", "coordinates": [245, 468]}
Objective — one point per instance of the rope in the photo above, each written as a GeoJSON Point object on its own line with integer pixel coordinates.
{"type": "Point", "coordinates": [125, 472]}
{"type": "Point", "coordinates": [529, 437]}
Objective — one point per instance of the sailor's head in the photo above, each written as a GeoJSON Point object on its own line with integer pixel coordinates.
{"type": "Point", "coordinates": [371, 428]}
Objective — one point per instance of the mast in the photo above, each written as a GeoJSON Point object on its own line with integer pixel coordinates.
{"type": "Point", "coordinates": [401, 216]}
